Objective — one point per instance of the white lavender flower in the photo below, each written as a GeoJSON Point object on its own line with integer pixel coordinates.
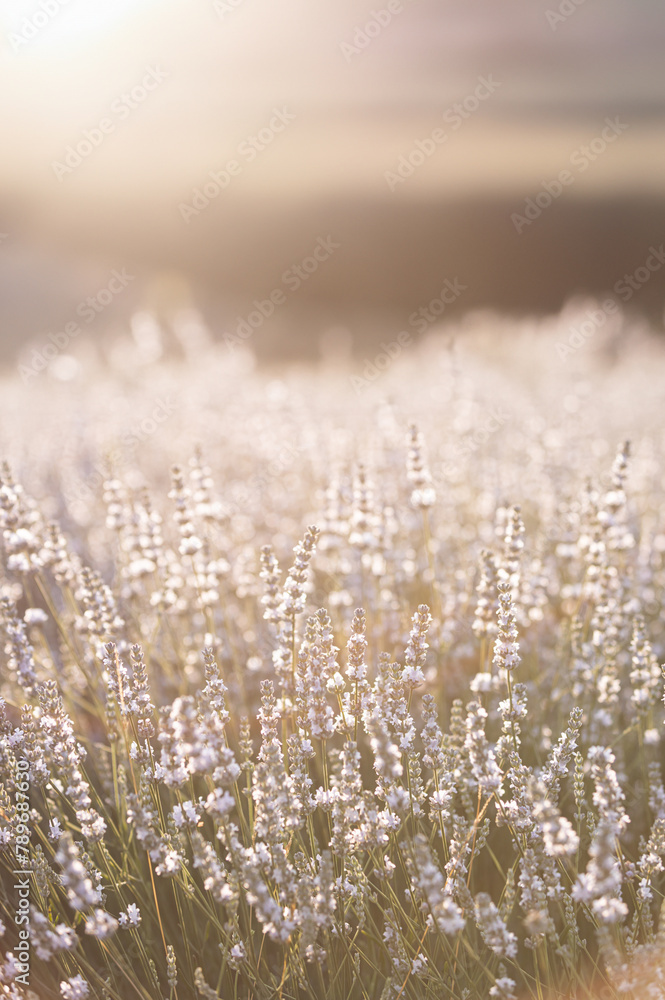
{"type": "Point", "coordinates": [482, 760]}
{"type": "Point", "coordinates": [414, 657]}
{"type": "Point", "coordinates": [600, 885]}
{"type": "Point", "coordinates": [75, 988]}
{"type": "Point", "coordinates": [493, 929]}
{"type": "Point", "coordinates": [431, 735]}
{"type": "Point", "coordinates": [277, 809]}
{"type": "Point", "coordinates": [82, 893]}
{"type": "Point", "coordinates": [423, 493]}
{"type": "Point", "coordinates": [429, 887]}
{"type": "Point", "coordinates": [484, 623]}
{"type": "Point", "coordinates": [100, 924]}
{"type": "Point", "coordinates": [504, 989]}
{"type": "Point", "coordinates": [131, 917]}
{"type": "Point", "coordinates": [20, 654]}
{"type": "Point", "coordinates": [506, 647]}
{"type": "Point", "coordinates": [559, 837]}
{"type": "Point", "coordinates": [48, 938]}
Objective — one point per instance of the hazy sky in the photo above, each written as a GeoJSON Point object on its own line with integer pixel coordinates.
{"type": "Point", "coordinates": [113, 114]}
{"type": "Point", "coordinates": [355, 112]}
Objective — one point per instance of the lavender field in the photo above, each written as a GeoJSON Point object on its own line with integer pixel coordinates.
{"type": "Point", "coordinates": [336, 682]}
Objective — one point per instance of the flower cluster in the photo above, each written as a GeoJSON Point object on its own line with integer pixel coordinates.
{"type": "Point", "coordinates": [413, 750]}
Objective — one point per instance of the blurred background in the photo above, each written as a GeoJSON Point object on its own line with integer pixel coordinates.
{"type": "Point", "coordinates": [326, 173]}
